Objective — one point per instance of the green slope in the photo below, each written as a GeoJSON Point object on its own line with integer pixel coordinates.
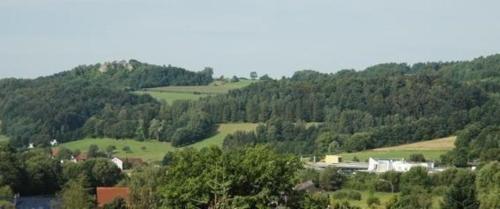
{"type": "Point", "coordinates": [154, 150]}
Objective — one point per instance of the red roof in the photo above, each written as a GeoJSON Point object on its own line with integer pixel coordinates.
{"type": "Point", "coordinates": [106, 195]}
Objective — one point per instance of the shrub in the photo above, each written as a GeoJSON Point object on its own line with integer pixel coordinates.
{"type": "Point", "coordinates": [351, 195]}
{"type": "Point", "coordinates": [372, 200]}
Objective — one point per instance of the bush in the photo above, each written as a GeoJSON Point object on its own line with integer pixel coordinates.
{"type": "Point", "coordinates": [417, 157]}
{"type": "Point", "coordinates": [372, 200]}
{"type": "Point", "coordinates": [350, 195]}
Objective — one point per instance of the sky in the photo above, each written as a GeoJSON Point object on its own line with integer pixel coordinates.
{"type": "Point", "coordinates": [235, 37]}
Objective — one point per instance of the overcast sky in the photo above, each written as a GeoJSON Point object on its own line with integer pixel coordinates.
{"type": "Point", "coordinates": [42, 37]}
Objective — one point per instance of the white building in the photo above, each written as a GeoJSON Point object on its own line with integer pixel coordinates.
{"type": "Point", "coordinates": [384, 165]}
{"type": "Point", "coordinates": [117, 162]}
{"type": "Point", "coordinates": [53, 142]}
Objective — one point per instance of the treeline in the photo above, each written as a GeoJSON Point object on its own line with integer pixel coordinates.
{"type": "Point", "coordinates": [384, 105]}
{"type": "Point", "coordinates": [94, 101]}
{"type": "Point", "coordinates": [137, 75]}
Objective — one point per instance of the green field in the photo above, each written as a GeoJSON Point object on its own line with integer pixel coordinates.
{"type": "Point", "coordinates": [173, 93]}
{"type": "Point", "coordinates": [155, 150]}
{"type": "Point", "coordinates": [3, 138]}
{"type": "Point", "coordinates": [431, 149]}
{"type": "Point", "coordinates": [383, 197]}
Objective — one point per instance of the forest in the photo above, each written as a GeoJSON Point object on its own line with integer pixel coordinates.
{"type": "Point", "coordinates": [386, 104]}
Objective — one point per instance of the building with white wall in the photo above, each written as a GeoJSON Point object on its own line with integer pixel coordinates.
{"type": "Point", "coordinates": [384, 165]}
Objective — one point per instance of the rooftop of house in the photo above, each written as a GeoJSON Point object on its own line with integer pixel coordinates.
{"type": "Point", "coordinates": [106, 195]}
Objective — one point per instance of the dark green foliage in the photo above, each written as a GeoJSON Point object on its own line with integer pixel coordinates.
{"type": "Point", "coordinates": [416, 177]}
{"type": "Point", "coordinates": [417, 157]}
{"type": "Point", "coordinates": [349, 195]}
{"type": "Point", "coordinates": [372, 201]}
{"type": "Point", "coordinates": [414, 197]}
{"type": "Point", "coordinates": [87, 101]}
{"type": "Point", "coordinates": [315, 202]}
{"type": "Point", "coordinates": [246, 178]}
{"type": "Point", "coordinates": [331, 179]}
{"type": "Point", "coordinates": [344, 205]}
{"type": "Point", "coordinates": [118, 203]}
{"type": "Point", "coordinates": [388, 182]}
{"type": "Point", "coordinates": [462, 193]}
{"type": "Point", "coordinates": [97, 172]}
{"type": "Point", "coordinates": [488, 185]}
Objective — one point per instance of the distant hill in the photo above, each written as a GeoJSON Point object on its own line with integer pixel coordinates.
{"type": "Point", "coordinates": [59, 106]}
{"type": "Point", "coordinates": [136, 75]}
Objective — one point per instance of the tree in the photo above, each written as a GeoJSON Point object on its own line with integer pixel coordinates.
{"type": "Point", "coordinates": [488, 185]}
{"type": "Point", "coordinates": [462, 193]}
{"type": "Point", "coordinates": [93, 151]}
{"type": "Point", "coordinates": [110, 150]}
{"type": "Point", "coordinates": [144, 186]}
{"type": "Point", "coordinates": [253, 75]}
{"type": "Point", "coordinates": [415, 177]}
{"type": "Point", "coordinates": [74, 195]}
{"type": "Point", "coordinates": [118, 203]}
{"type": "Point", "coordinates": [218, 178]}
{"type": "Point", "coordinates": [417, 157]}
{"type": "Point", "coordinates": [127, 149]}
{"type": "Point", "coordinates": [331, 179]}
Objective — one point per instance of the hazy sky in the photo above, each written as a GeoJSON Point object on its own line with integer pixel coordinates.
{"type": "Point", "coordinates": [41, 37]}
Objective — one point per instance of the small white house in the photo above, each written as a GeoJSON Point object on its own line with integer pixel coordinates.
{"type": "Point", "coordinates": [31, 146]}
{"type": "Point", "coordinates": [53, 142]}
{"type": "Point", "coordinates": [384, 165]}
{"type": "Point", "coordinates": [118, 162]}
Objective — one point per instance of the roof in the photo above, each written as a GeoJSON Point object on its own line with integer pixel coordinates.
{"type": "Point", "coordinates": [39, 202]}
{"type": "Point", "coordinates": [106, 195]}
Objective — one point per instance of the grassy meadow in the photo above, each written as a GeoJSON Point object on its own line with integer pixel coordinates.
{"type": "Point", "coordinates": [154, 150]}
{"type": "Point", "coordinates": [173, 93]}
{"type": "Point", "coordinates": [431, 149]}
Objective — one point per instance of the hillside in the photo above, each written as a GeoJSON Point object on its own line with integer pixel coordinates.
{"type": "Point", "coordinates": [66, 106]}
{"type": "Point", "coordinates": [174, 93]}
{"type": "Point", "coordinates": [155, 150]}
{"type": "Point", "coordinates": [431, 149]}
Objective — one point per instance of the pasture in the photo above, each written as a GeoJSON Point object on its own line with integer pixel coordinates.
{"type": "Point", "coordinates": [173, 93]}
{"type": "Point", "coordinates": [152, 150]}
{"type": "Point", "coordinates": [431, 149]}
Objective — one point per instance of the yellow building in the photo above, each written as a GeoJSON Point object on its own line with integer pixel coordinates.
{"type": "Point", "coordinates": [333, 159]}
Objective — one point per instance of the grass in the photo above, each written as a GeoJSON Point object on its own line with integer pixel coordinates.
{"type": "Point", "coordinates": [155, 150]}
{"type": "Point", "coordinates": [384, 197]}
{"type": "Point", "coordinates": [3, 138]}
{"type": "Point", "coordinates": [173, 93]}
{"type": "Point", "coordinates": [432, 150]}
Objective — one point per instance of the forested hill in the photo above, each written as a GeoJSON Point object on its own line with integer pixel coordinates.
{"type": "Point", "coordinates": [383, 105]}
{"type": "Point", "coordinates": [59, 106]}
{"type": "Point", "coordinates": [136, 75]}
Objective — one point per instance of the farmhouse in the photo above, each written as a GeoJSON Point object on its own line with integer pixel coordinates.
{"type": "Point", "coordinates": [384, 165]}
{"type": "Point", "coordinates": [106, 195]}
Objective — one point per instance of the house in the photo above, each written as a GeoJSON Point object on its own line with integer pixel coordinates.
{"type": "Point", "coordinates": [333, 159]}
{"type": "Point", "coordinates": [384, 165]}
{"type": "Point", "coordinates": [31, 146]}
{"type": "Point", "coordinates": [106, 195]}
{"type": "Point", "coordinates": [118, 162]}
